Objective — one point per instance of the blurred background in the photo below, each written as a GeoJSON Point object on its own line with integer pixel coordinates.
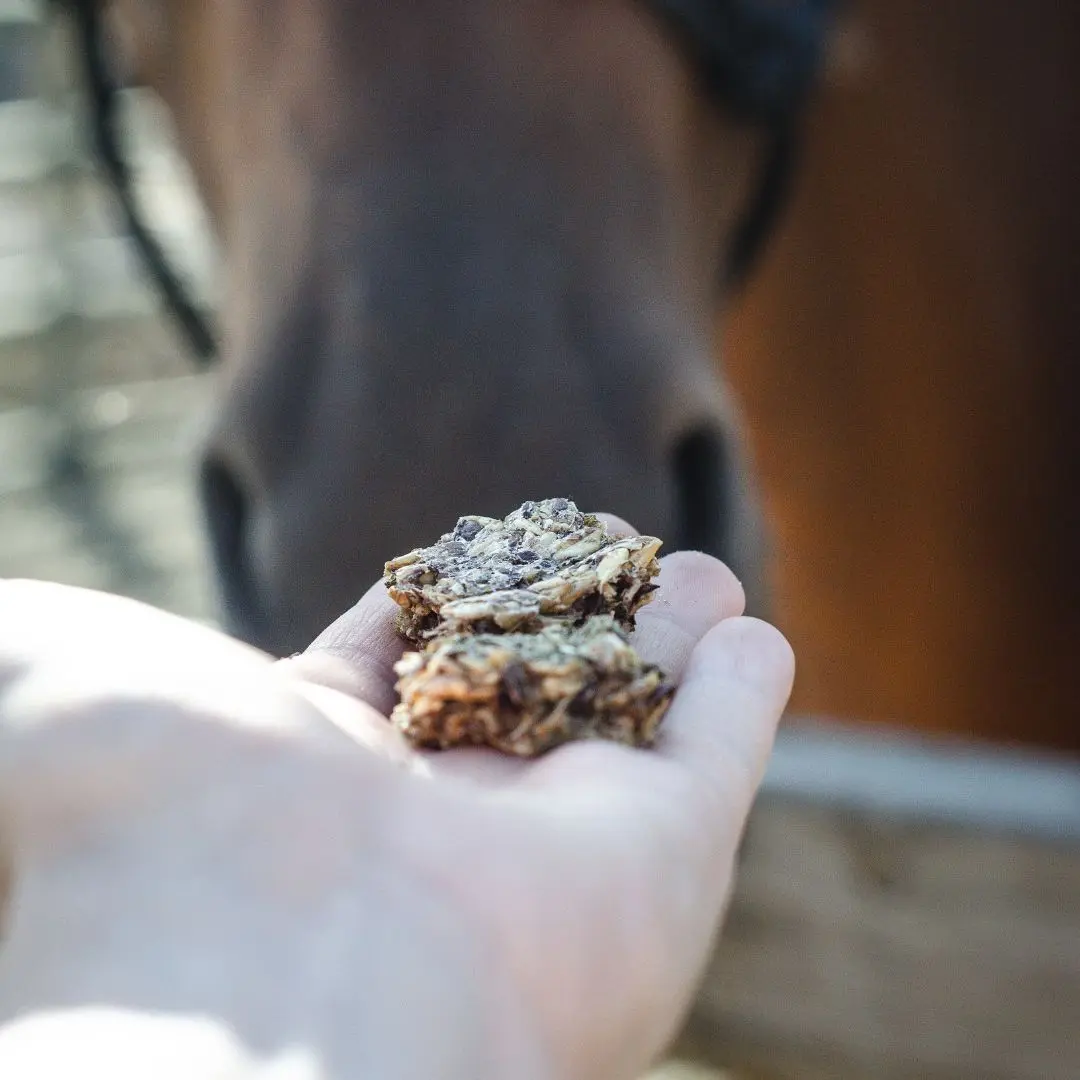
{"type": "Point", "coordinates": [99, 405]}
{"type": "Point", "coordinates": [909, 360]}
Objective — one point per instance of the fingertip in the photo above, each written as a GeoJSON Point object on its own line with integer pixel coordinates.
{"type": "Point", "coordinates": [725, 714]}
{"type": "Point", "coordinates": [616, 525]}
{"type": "Point", "coordinates": [696, 592]}
{"type": "Point", "coordinates": [754, 651]}
{"type": "Point", "coordinates": [703, 576]}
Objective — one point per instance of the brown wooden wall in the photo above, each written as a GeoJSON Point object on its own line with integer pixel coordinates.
{"type": "Point", "coordinates": [909, 358]}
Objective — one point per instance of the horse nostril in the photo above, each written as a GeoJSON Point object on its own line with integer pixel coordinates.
{"type": "Point", "coordinates": [718, 511]}
{"type": "Point", "coordinates": [227, 517]}
{"type": "Point", "coordinates": [702, 490]}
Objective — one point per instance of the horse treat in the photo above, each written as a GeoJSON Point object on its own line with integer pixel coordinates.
{"type": "Point", "coordinates": [526, 693]}
{"type": "Point", "coordinates": [523, 626]}
{"type": "Point", "coordinates": [546, 559]}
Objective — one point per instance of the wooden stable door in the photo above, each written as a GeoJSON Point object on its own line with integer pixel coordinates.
{"type": "Point", "coordinates": [909, 359]}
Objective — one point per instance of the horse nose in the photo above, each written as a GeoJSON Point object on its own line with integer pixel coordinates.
{"type": "Point", "coordinates": [226, 507]}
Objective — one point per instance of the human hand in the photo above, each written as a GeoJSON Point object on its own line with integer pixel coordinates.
{"type": "Point", "coordinates": [241, 859]}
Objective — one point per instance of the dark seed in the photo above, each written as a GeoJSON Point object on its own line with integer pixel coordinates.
{"type": "Point", "coordinates": [515, 683]}
{"type": "Point", "coordinates": [664, 691]}
{"type": "Point", "coordinates": [582, 701]}
{"type": "Point", "coordinates": [591, 604]}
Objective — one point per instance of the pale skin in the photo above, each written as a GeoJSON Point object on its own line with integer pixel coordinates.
{"type": "Point", "coordinates": [226, 866]}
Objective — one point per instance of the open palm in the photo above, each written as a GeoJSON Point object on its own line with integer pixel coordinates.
{"type": "Point", "coordinates": [250, 843]}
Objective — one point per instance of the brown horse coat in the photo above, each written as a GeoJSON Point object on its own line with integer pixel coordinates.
{"type": "Point", "coordinates": [472, 251]}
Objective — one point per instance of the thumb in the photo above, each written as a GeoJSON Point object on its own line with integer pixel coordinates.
{"type": "Point", "coordinates": [724, 718]}
{"type": "Point", "coordinates": [355, 655]}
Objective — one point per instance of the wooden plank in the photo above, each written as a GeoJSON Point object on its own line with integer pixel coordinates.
{"type": "Point", "coordinates": [896, 922]}
{"type": "Point", "coordinates": [888, 773]}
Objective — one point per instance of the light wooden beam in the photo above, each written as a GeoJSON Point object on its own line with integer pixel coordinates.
{"type": "Point", "coordinates": [906, 910]}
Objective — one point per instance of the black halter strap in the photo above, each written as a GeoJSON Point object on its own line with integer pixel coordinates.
{"type": "Point", "coordinates": [103, 93]}
{"type": "Point", "coordinates": [758, 60]}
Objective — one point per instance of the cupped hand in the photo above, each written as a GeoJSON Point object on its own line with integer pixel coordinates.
{"type": "Point", "coordinates": [243, 860]}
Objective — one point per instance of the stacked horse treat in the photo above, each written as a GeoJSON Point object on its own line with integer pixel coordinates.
{"type": "Point", "coordinates": [521, 628]}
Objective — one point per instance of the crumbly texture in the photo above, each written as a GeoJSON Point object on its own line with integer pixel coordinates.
{"type": "Point", "coordinates": [521, 626]}
{"type": "Point", "coordinates": [525, 693]}
{"type": "Point", "coordinates": [546, 560]}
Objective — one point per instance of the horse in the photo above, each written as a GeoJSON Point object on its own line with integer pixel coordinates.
{"type": "Point", "coordinates": [475, 253]}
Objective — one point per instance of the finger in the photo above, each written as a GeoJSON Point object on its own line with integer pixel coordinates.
{"type": "Point", "coordinates": [696, 592]}
{"type": "Point", "coordinates": [356, 654]}
{"type": "Point", "coordinates": [722, 723]}
{"type": "Point", "coordinates": [362, 723]}
{"type": "Point", "coordinates": [616, 526]}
